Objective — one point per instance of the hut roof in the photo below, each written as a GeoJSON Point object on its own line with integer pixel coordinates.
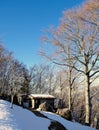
{"type": "Point", "coordinates": [46, 96]}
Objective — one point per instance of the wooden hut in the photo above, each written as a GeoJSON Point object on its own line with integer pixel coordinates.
{"type": "Point", "coordinates": [37, 99]}
{"type": "Point", "coordinates": [34, 100]}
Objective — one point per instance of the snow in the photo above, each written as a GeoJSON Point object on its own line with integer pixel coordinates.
{"type": "Point", "coordinates": [19, 118]}
{"type": "Point", "coordinates": [68, 124]}
{"type": "Point", "coordinates": [41, 96]}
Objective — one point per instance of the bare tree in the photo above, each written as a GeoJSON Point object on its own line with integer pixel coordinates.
{"type": "Point", "coordinates": [16, 78]}
{"type": "Point", "coordinates": [82, 39]}
{"type": "Point", "coordinates": [5, 57]}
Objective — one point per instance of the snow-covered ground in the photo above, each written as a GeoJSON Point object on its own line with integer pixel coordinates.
{"type": "Point", "coordinates": [21, 119]}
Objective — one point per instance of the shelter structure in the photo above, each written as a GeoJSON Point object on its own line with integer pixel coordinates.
{"type": "Point", "coordinates": [34, 100]}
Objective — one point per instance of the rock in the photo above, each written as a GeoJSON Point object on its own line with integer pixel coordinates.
{"type": "Point", "coordinates": [46, 107]}
{"type": "Point", "coordinates": [65, 113]}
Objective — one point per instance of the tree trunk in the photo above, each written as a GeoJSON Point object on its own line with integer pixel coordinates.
{"type": "Point", "coordinates": [69, 78]}
{"type": "Point", "coordinates": [50, 84]}
{"type": "Point", "coordinates": [11, 104]}
{"type": "Point", "coordinates": [69, 88]}
{"type": "Point", "coordinates": [69, 98]}
{"type": "Point", "coordinates": [87, 102]}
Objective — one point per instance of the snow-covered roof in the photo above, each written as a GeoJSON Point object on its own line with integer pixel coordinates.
{"type": "Point", "coordinates": [41, 96]}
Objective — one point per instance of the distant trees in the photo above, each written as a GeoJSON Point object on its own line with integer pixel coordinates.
{"type": "Point", "coordinates": [80, 35]}
{"type": "Point", "coordinates": [16, 78]}
{"type": "Point", "coordinates": [25, 80]}
{"type": "Point", "coordinates": [41, 79]}
{"type": "Point", "coordinates": [5, 57]}
{"type": "Point", "coordinates": [13, 75]}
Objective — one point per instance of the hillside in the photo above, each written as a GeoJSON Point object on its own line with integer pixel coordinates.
{"type": "Point", "coordinates": [21, 119]}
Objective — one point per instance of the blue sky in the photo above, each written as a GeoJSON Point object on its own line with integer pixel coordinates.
{"type": "Point", "coordinates": [22, 22]}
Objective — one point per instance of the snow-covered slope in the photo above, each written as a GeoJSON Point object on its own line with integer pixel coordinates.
{"type": "Point", "coordinates": [21, 119]}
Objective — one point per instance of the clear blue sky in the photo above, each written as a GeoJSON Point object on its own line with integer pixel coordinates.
{"type": "Point", "coordinates": [21, 23]}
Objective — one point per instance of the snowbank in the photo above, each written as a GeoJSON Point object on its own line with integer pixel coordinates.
{"type": "Point", "coordinates": [19, 118]}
